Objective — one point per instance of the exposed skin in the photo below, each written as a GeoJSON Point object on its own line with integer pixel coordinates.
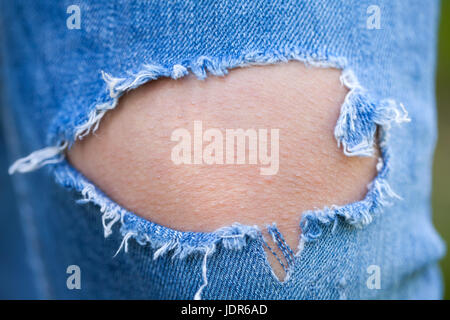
{"type": "Point", "coordinates": [129, 157]}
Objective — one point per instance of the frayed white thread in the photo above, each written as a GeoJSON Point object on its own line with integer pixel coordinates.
{"type": "Point", "coordinates": [38, 159]}
{"type": "Point", "coordinates": [300, 247]}
{"type": "Point", "coordinates": [179, 71]}
{"type": "Point", "coordinates": [198, 294]}
{"type": "Point", "coordinates": [384, 189]}
{"type": "Point", "coordinates": [349, 79]}
{"type": "Point", "coordinates": [380, 164]}
{"type": "Point", "coordinates": [363, 149]}
{"type": "Point", "coordinates": [402, 116]}
{"type": "Point", "coordinates": [400, 113]}
{"type": "Point", "coordinates": [107, 226]}
{"type": "Point", "coordinates": [170, 245]}
{"type": "Point", "coordinates": [116, 87]}
{"type": "Point", "coordinates": [111, 82]}
{"type": "Point", "coordinates": [91, 125]}
{"type": "Point", "coordinates": [124, 243]}
{"type": "Point", "coordinates": [89, 194]}
{"type": "Point", "coordinates": [335, 224]}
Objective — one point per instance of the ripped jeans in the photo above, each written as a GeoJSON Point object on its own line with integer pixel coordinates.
{"type": "Point", "coordinates": [64, 67]}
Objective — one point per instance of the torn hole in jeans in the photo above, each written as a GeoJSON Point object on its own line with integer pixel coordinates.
{"type": "Point", "coordinates": [355, 131]}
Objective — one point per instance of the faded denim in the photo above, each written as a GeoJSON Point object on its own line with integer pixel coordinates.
{"type": "Point", "coordinates": [57, 83]}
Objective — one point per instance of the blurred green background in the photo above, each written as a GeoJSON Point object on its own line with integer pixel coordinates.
{"type": "Point", "coordinates": [441, 169]}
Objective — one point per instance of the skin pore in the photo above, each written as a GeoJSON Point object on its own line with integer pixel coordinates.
{"type": "Point", "coordinates": [129, 156]}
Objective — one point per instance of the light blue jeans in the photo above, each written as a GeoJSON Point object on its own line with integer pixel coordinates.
{"type": "Point", "coordinates": [63, 67]}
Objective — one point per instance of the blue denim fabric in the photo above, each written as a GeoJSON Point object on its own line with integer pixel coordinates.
{"type": "Point", "coordinates": [59, 82]}
{"type": "Point", "coordinates": [16, 280]}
